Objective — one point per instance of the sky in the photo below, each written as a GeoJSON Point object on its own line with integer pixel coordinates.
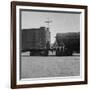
{"type": "Point", "coordinates": [61, 22]}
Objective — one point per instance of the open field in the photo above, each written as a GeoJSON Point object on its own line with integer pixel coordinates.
{"type": "Point", "coordinates": [52, 66]}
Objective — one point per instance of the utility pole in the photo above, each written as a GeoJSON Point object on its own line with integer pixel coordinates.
{"type": "Point", "coordinates": [48, 24]}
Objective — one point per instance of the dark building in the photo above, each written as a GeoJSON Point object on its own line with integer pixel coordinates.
{"type": "Point", "coordinates": [35, 39]}
{"type": "Point", "coordinates": [69, 42]}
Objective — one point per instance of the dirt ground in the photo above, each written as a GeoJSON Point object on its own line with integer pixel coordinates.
{"type": "Point", "coordinates": [52, 66]}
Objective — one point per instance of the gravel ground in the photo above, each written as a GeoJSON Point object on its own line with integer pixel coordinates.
{"type": "Point", "coordinates": [52, 66]}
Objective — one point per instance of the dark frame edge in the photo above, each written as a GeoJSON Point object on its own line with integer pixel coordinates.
{"type": "Point", "coordinates": [13, 45]}
{"type": "Point", "coordinates": [86, 45]}
{"type": "Point", "coordinates": [50, 84]}
{"type": "Point", "coordinates": [41, 4]}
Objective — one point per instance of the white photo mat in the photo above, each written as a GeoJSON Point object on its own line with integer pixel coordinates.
{"type": "Point", "coordinates": [50, 79]}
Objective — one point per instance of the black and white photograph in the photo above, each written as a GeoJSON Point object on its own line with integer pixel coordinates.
{"type": "Point", "coordinates": [49, 44]}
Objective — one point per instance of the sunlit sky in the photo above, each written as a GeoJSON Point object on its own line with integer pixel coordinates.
{"type": "Point", "coordinates": [61, 22]}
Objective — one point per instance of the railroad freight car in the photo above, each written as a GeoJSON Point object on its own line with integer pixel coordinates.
{"type": "Point", "coordinates": [67, 43]}
{"type": "Point", "coordinates": [36, 40]}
